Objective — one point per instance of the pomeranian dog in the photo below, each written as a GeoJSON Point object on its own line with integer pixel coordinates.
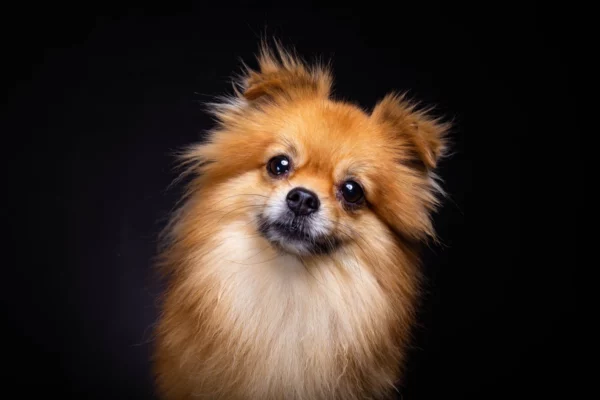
{"type": "Point", "coordinates": [292, 262]}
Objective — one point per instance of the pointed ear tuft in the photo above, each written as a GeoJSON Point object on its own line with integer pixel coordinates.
{"type": "Point", "coordinates": [424, 135]}
{"type": "Point", "coordinates": [284, 75]}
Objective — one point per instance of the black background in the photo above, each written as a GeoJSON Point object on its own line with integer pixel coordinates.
{"type": "Point", "coordinates": [98, 98]}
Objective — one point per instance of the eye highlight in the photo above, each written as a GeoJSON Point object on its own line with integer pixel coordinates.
{"type": "Point", "coordinates": [352, 192]}
{"type": "Point", "coordinates": [279, 165]}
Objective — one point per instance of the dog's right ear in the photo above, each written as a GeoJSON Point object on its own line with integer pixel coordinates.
{"type": "Point", "coordinates": [284, 76]}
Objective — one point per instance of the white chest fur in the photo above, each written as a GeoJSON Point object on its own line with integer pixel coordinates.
{"type": "Point", "coordinates": [292, 316]}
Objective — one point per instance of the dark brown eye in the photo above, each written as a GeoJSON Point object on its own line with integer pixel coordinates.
{"type": "Point", "coordinates": [279, 165]}
{"type": "Point", "coordinates": [352, 192]}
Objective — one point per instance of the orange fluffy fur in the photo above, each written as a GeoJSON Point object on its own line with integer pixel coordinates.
{"type": "Point", "coordinates": [243, 320]}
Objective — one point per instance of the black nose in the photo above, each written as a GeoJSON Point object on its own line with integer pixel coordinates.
{"type": "Point", "coordinates": [302, 201]}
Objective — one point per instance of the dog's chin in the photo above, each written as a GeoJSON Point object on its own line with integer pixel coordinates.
{"type": "Point", "coordinates": [293, 240]}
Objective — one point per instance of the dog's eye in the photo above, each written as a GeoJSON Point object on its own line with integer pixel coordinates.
{"type": "Point", "coordinates": [352, 192]}
{"type": "Point", "coordinates": [278, 165]}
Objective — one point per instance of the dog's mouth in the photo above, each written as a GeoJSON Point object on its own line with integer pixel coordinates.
{"type": "Point", "coordinates": [296, 236]}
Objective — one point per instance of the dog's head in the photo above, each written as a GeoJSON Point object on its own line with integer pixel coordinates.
{"type": "Point", "coordinates": [310, 173]}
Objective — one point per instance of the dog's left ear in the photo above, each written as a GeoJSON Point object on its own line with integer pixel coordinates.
{"type": "Point", "coordinates": [422, 137]}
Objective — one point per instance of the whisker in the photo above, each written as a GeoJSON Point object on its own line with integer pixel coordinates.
{"type": "Point", "coordinates": [244, 194]}
{"type": "Point", "coordinates": [265, 248]}
{"type": "Point", "coordinates": [243, 237]}
{"type": "Point", "coordinates": [258, 263]}
{"type": "Point", "coordinates": [241, 208]}
{"type": "Point", "coordinates": [231, 205]}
